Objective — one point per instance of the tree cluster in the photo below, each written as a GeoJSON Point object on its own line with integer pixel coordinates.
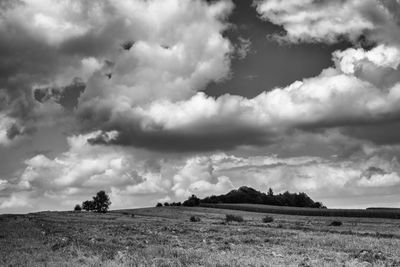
{"type": "Point", "coordinates": [100, 203]}
{"type": "Point", "coordinates": [166, 204]}
{"type": "Point", "coordinates": [249, 195]}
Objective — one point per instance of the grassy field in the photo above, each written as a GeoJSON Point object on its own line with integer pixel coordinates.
{"type": "Point", "coordinates": [390, 213]}
{"type": "Point", "coordinates": [166, 237]}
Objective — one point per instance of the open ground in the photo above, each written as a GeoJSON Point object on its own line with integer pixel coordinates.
{"type": "Point", "coordinates": [165, 236]}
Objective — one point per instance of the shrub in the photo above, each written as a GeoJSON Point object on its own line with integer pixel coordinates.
{"type": "Point", "coordinates": [77, 207]}
{"type": "Point", "coordinates": [194, 219]}
{"type": "Point", "coordinates": [233, 218]}
{"type": "Point", "coordinates": [336, 223]}
{"type": "Point", "coordinates": [159, 205]}
{"type": "Point", "coordinates": [267, 219]}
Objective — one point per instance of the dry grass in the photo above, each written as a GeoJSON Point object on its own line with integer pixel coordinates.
{"type": "Point", "coordinates": [166, 237]}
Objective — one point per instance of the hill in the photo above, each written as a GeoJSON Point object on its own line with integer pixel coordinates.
{"type": "Point", "coordinates": [249, 195]}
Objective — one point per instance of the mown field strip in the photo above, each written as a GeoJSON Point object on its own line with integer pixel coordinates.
{"type": "Point", "coordinates": [372, 213]}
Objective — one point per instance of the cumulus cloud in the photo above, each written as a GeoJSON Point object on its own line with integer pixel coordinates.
{"type": "Point", "coordinates": [128, 76]}
{"type": "Point", "coordinates": [346, 94]}
{"type": "Point", "coordinates": [47, 44]}
{"type": "Point", "coordinates": [197, 177]}
{"type": "Point", "coordinates": [330, 21]}
{"type": "Point", "coordinates": [362, 88]}
{"type": "Point", "coordinates": [134, 178]}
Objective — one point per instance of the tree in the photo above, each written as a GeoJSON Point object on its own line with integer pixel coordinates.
{"type": "Point", "coordinates": [88, 205]}
{"type": "Point", "coordinates": [270, 192]}
{"type": "Point", "coordinates": [159, 204]}
{"type": "Point", "coordinates": [77, 207]}
{"type": "Point", "coordinates": [192, 201]}
{"type": "Point", "coordinates": [101, 202]}
{"type": "Point", "coordinates": [166, 204]}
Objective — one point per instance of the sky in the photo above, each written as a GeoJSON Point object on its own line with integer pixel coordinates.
{"type": "Point", "coordinates": [153, 101]}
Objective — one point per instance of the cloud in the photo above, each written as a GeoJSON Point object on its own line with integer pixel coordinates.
{"type": "Point", "coordinates": [243, 48]}
{"type": "Point", "coordinates": [361, 89]}
{"type": "Point", "coordinates": [47, 44]}
{"type": "Point", "coordinates": [138, 178]}
{"type": "Point", "coordinates": [389, 179]}
{"type": "Point", "coordinates": [331, 21]}
{"type": "Point", "coordinates": [126, 77]}
{"type": "Point", "coordinates": [197, 177]}
{"type": "Point", "coordinates": [65, 96]}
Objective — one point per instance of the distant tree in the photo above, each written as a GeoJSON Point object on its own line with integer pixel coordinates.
{"type": "Point", "coordinates": [159, 204]}
{"type": "Point", "coordinates": [101, 202]}
{"type": "Point", "coordinates": [77, 207]}
{"type": "Point", "coordinates": [192, 201]}
{"type": "Point", "coordinates": [270, 192]}
{"type": "Point", "coordinates": [166, 204]}
{"type": "Point", "coordinates": [319, 205]}
{"type": "Point", "coordinates": [88, 205]}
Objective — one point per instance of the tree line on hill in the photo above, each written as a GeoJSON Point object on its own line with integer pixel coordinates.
{"type": "Point", "coordinates": [251, 196]}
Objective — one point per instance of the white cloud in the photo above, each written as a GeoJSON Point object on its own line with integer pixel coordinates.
{"type": "Point", "coordinates": [377, 180]}
{"type": "Point", "coordinates": [328, 21]}
{"type": "Point", "coordinates": [352, 59]}
{"type": "Point", "coordinates": [332, 98]}
{"type": "Point", "coordinates": [3, 184]}
{"type": "Point", "coordinates": [197, 177]}
{"type": "Point", "coordinates": [53, 42]}
{"type": "Point", "coordinates": [132, 181]}
{"type": "Point", "coordinates": [16, 200]}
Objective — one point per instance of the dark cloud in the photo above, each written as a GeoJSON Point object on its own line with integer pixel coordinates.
{"type": "Point", "coordinates": [181, 141]}
{"type": "Point", "coordinates": [13, 131]}
{"type": "Point", "coordinates": [372, 171]}
{"type": "Point", "coordinates": [66, 96]}
{"type": "Point", "coordinates": [382, 133]}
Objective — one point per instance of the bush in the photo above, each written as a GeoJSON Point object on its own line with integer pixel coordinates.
{"type": "Point", "coordinates": [77, 207]}
{"type": "Point", "coordinates": [166, 204]}
{"type": "Point", "coordinates": [194, 219]}
{"type": "Point", "coordinates": [336, 223]}
{"type": "Point", "coordinates": [159, 205]}
{"type": "Point", "coordinates": [233, 218]}
{"type": "Point", "coordinates": [267, 219]}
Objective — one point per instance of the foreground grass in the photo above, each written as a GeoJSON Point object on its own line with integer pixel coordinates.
{"type": "Point", "coordinates": [166, 237]}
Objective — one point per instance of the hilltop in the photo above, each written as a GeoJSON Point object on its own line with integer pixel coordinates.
{"type": "Point", "coordinates": [249, 195]}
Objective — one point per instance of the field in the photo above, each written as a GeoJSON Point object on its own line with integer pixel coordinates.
{"type": "Point", "coordinates": [390, 213]}
{"type": "Point", "coordinates": [166, 237]}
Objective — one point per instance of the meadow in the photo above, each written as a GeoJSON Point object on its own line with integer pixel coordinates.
{"type": "Point", "coordinates": [169, 236]}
